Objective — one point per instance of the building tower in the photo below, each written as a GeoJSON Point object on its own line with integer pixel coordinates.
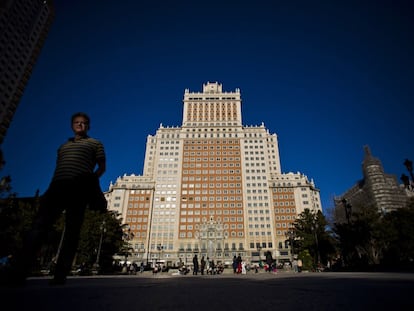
{"type": "Point", "coordinates": [24, 25]}
{"type": "Point", "coordinates": [375, 189]}
{"type": "Point", "coordinates": [212, 187]}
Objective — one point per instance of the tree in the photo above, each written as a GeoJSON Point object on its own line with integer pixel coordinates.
{"type": "Point", "coordinates": [311, 235]}
{"type": "Point", "coordinates": [373, 239]}
{"type": "Point", "coordinates": [16, 216]}
{"type": "Point", "coordinates": [96, 225]}
{"type": "Point", "coordinates": [400, 227]}
{"type": "Point", "coordinates": [362, 240]}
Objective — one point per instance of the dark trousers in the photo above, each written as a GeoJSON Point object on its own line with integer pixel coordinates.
{"type": "Point", "coordinates": [64, 196]}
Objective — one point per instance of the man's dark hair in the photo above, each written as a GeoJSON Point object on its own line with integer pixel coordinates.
{"type": "Point", "coordinates": [82, 114]}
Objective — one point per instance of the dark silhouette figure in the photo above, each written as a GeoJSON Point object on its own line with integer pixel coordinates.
{"type": "Point", "coordinates": [203, 265]}
{"type": "Point", "coordinates": [74, 186]}
{"type": "Point", "coordinates": [239, 264]}
{"type": "Point", "coordinates": [234, 265]}
{"type": "Point", "coordinates": [269, 261]}
{"type": "Point", "coordinates": [195, 265]}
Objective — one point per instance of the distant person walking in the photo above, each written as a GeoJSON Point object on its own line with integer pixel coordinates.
{"type": "Point", "coordinates": [269, 261]}
{"type": "Point", "coordinates": [195, 265]}
{"type": "Point", "coordinates": [300, 265]}
{"type": "Point", "coordinates": [295, 265]}
{"type": "Point", "coordinates": [239, 264]}
{"type": "Point", "coordinates": [235, 264]}
{"type": "Point", "coordinates": [203, 265]}
{"type": "Point", "coordinates": [74, 186]}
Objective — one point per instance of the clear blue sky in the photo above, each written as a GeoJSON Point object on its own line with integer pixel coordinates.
{"type": "Point", "coordinates": [328, 77]}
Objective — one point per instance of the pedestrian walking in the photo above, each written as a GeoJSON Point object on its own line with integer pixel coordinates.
{"type": "Point", "coordinates": [300, 265]}
{"type": "Point", "coordinates": [239, 264]}
{"type": "Point", "coordinates": [234, 265]}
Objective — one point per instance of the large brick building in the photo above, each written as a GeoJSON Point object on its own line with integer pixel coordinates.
{"type": "Point", "coordinates": [211, 187]}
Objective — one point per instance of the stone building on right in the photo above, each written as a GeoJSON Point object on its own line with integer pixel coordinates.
{"type": "Point", "coordinates": [376, 188]}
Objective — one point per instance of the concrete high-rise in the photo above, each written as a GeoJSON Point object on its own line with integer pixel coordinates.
{"type": "Point", "coordinates": [376, 189]}
{"type": "Point", "coordinates": [212, 187]}
{"type": "Point", "coordinates": [24, 25]}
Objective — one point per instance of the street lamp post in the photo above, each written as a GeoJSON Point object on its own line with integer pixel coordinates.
{"type": "Point", "coordinates": [259, 248]}
{"type": "Point", "coordinates": [160, 249]}
{"type": "Point", "coordinates": [409, 165]}
{"type": "Point", "coordinates": [61, 238]}
{"type": "Point", "coordinates": [103, 230]}
{"type": "Point", "coordinates": [348, 209]}
{"type": "Point", "coordinates": [290, 234]}
{"type": "Point", "coordinates": [315, 229]}
{"type": "Point", "coordinates": [128, 236]}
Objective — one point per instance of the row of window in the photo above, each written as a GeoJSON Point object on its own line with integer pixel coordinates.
{"type": "Point", "coordinates": [211, 172]}
{"type": "Point", "coordinates": [211, 192]}
{"type": "Point", "coordinates": [291, 203]}
{"type": "Point", "coordinates": [135, 198]}
{"type": "Point", "coordinates": [211, 185]}
{"type": "Point", "coordinates": [211, 205]}
{"type": "Point", "coordinates": [262, 219]}
{"type": "Point", "coordinates": [288, 217]}
{"type": "Point", "coordinates": [139, 205]}
{"type": "Point", "coordinates": [206, 153]}
{"type": "Point", "coordinates": [261, 245]}
{"type": "Point", "coordinates": [168, 165]}
{"type": "Point", "coordinates": [170, 148]}
{"type": "Point", "coordinates": [256, 191]}
{"type": "Point", "coordinates": [226, 226]}
{"type": "Point", "coordinates": [136, 212]}
{"type": "Point", "coordinates": [259, 204]}
{"type": "Point", "coordinates": [211, 178]}
{"type": "Point", "coordinates": [261, 226]}
{"type": "Point", "coordinates": [219, 159]}
{"type": "Point", "coordinates": [266, 211]}
{"type": "Point", "coordinates": [270, 139]}
{"type": "Point", "coordinates": [170, 172]}
{"type": "Point", "coordinates": [260, 233]}
{"type": "Point", "coordinates": [256, 198]}
{"type": "Point", "coordinates": [218, 198]}
{"type": "Point", "coordinates": [211, 164]}
{"type": "Point", "coordinates": [285, 210]}
{"type": "Point", "coordinates": [189, 234]}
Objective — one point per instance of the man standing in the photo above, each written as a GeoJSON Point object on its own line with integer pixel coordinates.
{"type": "Point", "coordinates": [195, 265]}
{"type": "Point", "coordinates": [203, 265]}
{"type": "Point", "coordinates": [74, 186]}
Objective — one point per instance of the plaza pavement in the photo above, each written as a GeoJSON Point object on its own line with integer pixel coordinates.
{"type": "Point", "coordinates": [253, 291]}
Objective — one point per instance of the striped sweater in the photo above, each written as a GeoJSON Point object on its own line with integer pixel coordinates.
{"type": "Point", "coordinates": [77, 158]}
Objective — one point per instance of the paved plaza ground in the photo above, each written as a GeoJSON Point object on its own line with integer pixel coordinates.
{"type": "Point", "coordinates": [261, 291]}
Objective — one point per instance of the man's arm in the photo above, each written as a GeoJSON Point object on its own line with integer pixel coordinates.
{"type": "Point", "coordinates": [101, 167]}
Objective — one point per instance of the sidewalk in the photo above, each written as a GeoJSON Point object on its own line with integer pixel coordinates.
{"type": "Point", "coordinates": [228, 291]}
